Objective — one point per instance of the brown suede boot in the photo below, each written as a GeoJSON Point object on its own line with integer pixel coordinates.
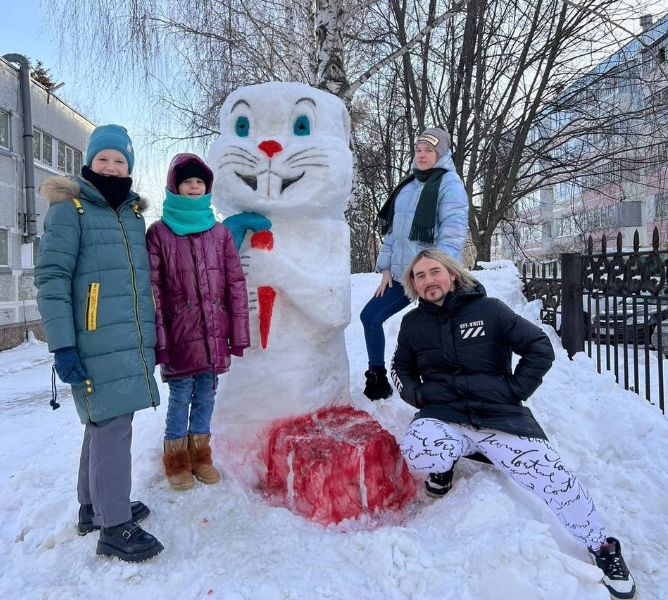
{"type": "Point", "coordinates": [200, 457]}
{"type": "Point", "coordinates": [178, 469]}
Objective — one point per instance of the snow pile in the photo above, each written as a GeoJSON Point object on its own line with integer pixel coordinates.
{"type": "Point", "coordinates": [487, 540]}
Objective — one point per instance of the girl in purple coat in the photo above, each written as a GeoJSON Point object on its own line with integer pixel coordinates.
{"type": "Point", "coordinates": [201, 315]}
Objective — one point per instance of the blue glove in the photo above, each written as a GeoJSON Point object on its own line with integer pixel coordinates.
{"type": "Point", "coordinates": [240, 223]}
{"type": "Point", "coordinates": [68, 366]}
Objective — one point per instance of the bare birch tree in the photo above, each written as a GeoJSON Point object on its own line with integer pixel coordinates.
{"type": "Point", "coordinates": [511, 81]}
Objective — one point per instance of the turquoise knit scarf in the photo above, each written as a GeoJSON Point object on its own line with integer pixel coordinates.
{"type": "Point", "coordinates": [184, 215]}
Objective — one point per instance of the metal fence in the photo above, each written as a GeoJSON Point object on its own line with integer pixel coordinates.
{"type": "Point", "coordinates": [611, 304]}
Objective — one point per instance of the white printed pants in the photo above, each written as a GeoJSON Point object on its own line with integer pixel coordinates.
{"type": "Point", "coordinates": [432, 446]}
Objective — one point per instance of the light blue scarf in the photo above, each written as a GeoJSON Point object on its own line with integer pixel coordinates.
{"type": "Point", "coordinates": [184, 215]}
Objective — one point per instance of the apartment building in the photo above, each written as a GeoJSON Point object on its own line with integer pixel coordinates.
{"type": "Point", "coordinates": [627, 189]}
{"type": "Point", "coordinates": [60, 137]}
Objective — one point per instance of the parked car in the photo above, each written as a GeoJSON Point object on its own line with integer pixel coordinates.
{"type": "Point", "coordinates": [588, 307]}
{"type": "Point", "coordinates": [662, 330]}
{"type": "Point", "coordinates": [637, 325]}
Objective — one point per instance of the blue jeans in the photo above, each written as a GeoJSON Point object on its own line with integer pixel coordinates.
{"type": "Point", "coordinates": [196, 395]}
{"type": "Point", "coordinates": [374, 314]}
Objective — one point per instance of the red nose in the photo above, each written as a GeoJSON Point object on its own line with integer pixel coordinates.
{"type": "Point", "coordinates": [270, 147]}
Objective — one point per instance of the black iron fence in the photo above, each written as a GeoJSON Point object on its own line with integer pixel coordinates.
{"type": "Point", "coordinates": [613, 304]}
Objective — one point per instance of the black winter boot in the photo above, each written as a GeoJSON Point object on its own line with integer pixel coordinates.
{"type": "Point", "coordinates": [377, 386]}
{"type": "Point", "coordinates": [438, 485]}
{"type": "Point", "coordinates": [85, 525]}
{"type": "Point", "coordinates": [129, 542]}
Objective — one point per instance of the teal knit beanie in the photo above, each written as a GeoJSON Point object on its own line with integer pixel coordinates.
{"type": "Point", "coordinates": [110, 137]}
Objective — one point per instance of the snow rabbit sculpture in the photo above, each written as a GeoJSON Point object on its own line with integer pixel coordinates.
{"type": "Point", "coordinates": [283, 176]}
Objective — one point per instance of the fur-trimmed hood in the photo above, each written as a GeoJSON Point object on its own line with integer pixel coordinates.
{"type": "Point", "coordinates": [59, 189]}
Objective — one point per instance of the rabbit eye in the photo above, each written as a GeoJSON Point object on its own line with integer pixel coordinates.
{"type": "Point", "coordinates": [302, 126]}
{"type": "Point", "coordinates": [242, 127]}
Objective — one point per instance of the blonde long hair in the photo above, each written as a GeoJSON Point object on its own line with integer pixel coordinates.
{"type": "Point", "coordinates": [463, 280]}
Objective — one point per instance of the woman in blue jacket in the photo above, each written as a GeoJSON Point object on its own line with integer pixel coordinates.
{"type": "Point", "coordinates": [428, 209]}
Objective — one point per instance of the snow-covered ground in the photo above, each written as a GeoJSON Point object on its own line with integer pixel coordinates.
{"type": "Point", "coordinates": [487, 540]}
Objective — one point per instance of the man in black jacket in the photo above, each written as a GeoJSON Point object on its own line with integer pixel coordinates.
{"type": "Point", "coordinates": [453, 363]}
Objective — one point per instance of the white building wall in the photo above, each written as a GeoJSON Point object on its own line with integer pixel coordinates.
{"type": "Point", "coordinates": [57, 119]}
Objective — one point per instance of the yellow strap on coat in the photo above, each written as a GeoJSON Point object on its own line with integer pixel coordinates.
{"type": "Point", "coordinates": [91, 313]}
{"type": "Point", "coordinates": [78, 205]}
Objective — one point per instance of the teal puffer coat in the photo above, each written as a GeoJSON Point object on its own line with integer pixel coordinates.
{"type": "Point", "coordinates": [94, 292]}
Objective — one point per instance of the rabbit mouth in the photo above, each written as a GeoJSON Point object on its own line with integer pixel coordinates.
{"type": "Point", "coordinates": [251, 181]}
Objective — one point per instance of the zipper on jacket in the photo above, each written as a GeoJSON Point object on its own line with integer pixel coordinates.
{"type": "Point", "coordinates": [135, 295]}
{"type": "Point", "coordinates": [205, 329]}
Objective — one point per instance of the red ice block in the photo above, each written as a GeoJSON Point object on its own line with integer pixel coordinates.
{"type": "Point", "coordinates": [336, 464]}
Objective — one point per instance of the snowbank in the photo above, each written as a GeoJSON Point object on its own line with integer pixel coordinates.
{"type": "Point", "coordinates": [487, 540]}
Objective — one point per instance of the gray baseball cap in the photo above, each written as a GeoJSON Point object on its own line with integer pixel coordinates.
{"type": "Point", "coordinates": [438, 139]}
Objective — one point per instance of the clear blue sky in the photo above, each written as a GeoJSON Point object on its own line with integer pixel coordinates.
{"type": "Point", "coordinates": [23, 30]}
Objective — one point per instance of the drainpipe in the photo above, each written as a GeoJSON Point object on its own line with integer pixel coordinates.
{"type": "Point", "coordinates": [28, 158]}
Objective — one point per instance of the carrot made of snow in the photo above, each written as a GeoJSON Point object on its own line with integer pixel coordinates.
{"type": "Point", "coordinates": [266, 295]}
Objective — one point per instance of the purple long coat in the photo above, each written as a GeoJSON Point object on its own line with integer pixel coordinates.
{"type": "Point", "coordinates": [201, 304]}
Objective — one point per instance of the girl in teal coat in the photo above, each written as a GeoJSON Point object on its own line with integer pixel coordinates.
{"type": "Point", "coordinates": [94, 295]}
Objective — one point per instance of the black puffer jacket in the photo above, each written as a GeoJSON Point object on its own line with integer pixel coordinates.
{"type": "Point", "coordinates": [453, 362]}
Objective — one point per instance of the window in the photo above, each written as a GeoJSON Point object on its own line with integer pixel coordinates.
{"type": "Point", "coordinates": [4, 248]}
{"type": "Point", "coordinates": [604, 217]}
{"type": "Point", "coordinates": [661, 205]}
{"type": "Point", "coordinates": [605, 89]}
{"type": "Point", "coordinates": [647, 64]}
{"type": "Point", "coordinates": [4, 129]}
{"type": "Point", "coordinates": [29, 253]}
{"type": "Point", "coordinates": [658, 101]}
{"type": "Point", "coordinates": [528, 233]}
{"type": "Point", "coordinates": [69, 159]}
{"type": "Point", "coordinates": [47, 149]}
{"type": "Point", "coordinates": [610, 172]}
{"type": "Point", "coordinates": [661, 150]}
{"type": "Point", "coordinates": [37, 144]}
{"type": "Point", "coordinates": [61, 156]}
{"type": "Point", "coordinates": [531, 200]}
{"type": "Point", "coordinates": [609, 216]}
{"type": "Point", "coordinates": [566, 190]}
{"type": "Point", "coordinates": [566, 226]}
